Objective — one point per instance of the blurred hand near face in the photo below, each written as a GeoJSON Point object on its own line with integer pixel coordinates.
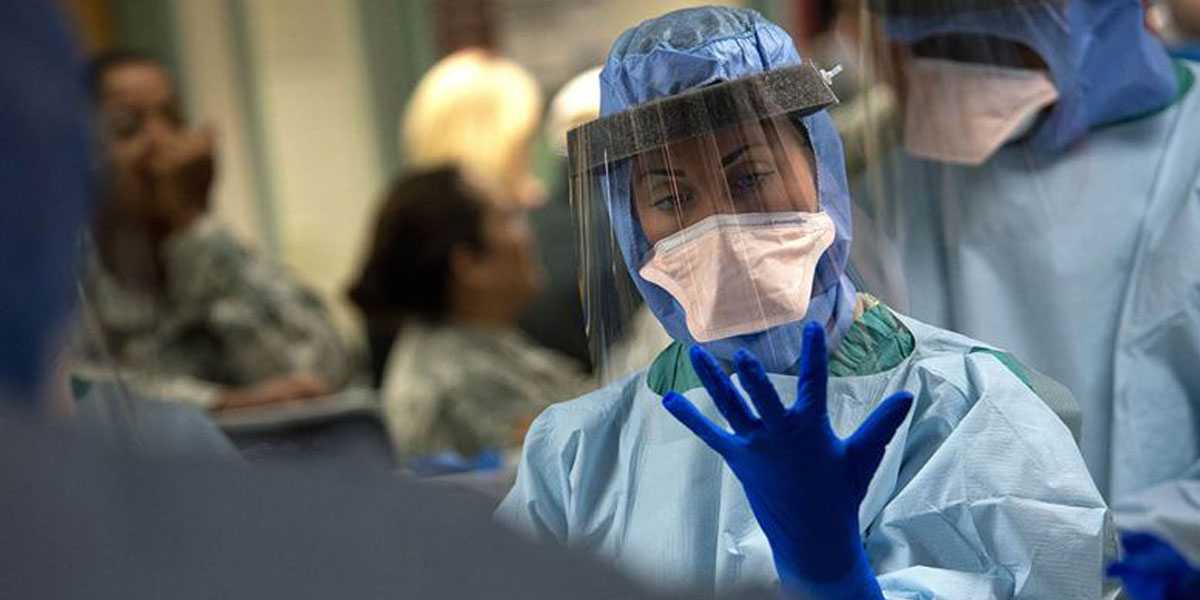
{"type": "Point", "coordinates": [181, 166]}
{"type": "Point", "coordinates": [127, 173]}
{"type": "Point", "coordinates": [163, 179]}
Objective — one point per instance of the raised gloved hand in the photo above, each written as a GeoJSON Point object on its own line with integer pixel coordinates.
{"type": "Point", "coordinates": [1153, 570]}
{"type": "Point", "coordinates": [803, 483]}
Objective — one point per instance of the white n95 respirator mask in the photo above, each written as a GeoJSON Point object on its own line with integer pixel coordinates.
{"type": "Point", "coordinates": [736, 274]}
{"type": "Point", "coordinates": [963, 113]}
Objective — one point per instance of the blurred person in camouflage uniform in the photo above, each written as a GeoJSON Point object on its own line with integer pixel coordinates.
{"type": "Point", "coordinates": [175, 306]}
{"type": "Point", "coordinates": [451, 265]}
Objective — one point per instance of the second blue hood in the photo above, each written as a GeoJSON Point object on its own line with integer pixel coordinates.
{"type": "Point", "coordinates": [1106, 65]}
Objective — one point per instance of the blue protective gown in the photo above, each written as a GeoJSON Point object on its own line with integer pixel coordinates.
{"type": "Point", "coordinates": [981, 494]}
{"type": "Point", "coordinates": [1085, 263]}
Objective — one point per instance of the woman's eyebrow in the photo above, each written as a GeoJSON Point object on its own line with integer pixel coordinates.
{"type": "Point", "coordinates": [732, 156]}
{"type": "Point", "coordinates": [727, 160]}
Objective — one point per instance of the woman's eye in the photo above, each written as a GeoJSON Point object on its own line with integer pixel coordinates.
{"type": "Point", "coordinates": [749, 181]}
{"type": "Point", "coordinates": [671, 203]}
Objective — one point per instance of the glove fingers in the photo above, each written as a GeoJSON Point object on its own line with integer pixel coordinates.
{"type": "Point", "coordinates": [723, 394]}
{"type": "Point", "coordinates": [865, 448]}
{"type": "Point", "coordinates": [685, 412]}
{"type": "Point", "coordinates": [814, 371]}
{"type": "Point", "coordinates": [762, 392]}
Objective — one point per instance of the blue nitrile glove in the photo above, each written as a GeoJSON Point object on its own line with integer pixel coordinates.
{"type": "Point", "coordinates": [1153, 570]}
{"type": "Point", "coordinates": [803, 483]}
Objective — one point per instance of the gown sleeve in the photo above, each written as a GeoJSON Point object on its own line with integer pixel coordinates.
{"type": "Point", "coordinates": [538, 502]}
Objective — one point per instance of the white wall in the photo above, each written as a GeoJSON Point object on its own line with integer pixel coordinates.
{"type": "Point", "coordinates": [214, 90]}
{"type": "Point", "coordinates": [306, 63]}
{"type": "Point", "coordinates": [317, 124]}
{"type": "Point", "coordinates": [557, 39]}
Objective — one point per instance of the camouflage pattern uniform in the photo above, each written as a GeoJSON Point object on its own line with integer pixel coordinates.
{"type": "Point", "coordinates": [226, 318]}
{"type": "Point", "coordinates": [457, 387]}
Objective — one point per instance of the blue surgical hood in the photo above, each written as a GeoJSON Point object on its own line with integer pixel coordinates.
{"type": "Point", "coordinates": [690, 49]}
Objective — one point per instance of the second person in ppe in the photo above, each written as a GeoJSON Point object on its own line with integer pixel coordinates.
{"type": "Point", "coordinates": [1046, 201]}
{"type": "Point", "coordinates": [722, 180]}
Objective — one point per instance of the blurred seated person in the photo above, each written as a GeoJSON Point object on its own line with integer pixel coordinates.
{"type": "Point", "coordinates": [450, 267]}
{"type": "Point", "coordinates": [174, 306]}
{"type": "Point", "coordinates": [482, 111]}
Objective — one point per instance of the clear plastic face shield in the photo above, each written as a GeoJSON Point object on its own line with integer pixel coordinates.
{"type": "Point", "coordinates": [705, 205]}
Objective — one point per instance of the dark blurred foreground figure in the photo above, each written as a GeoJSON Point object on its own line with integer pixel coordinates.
{"type": "Point", "coordinates": [451, 266]}
{"type": "Point", "coordinates": [175, 304]}
{"type": "Point", "coordinates": [83, 523]}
